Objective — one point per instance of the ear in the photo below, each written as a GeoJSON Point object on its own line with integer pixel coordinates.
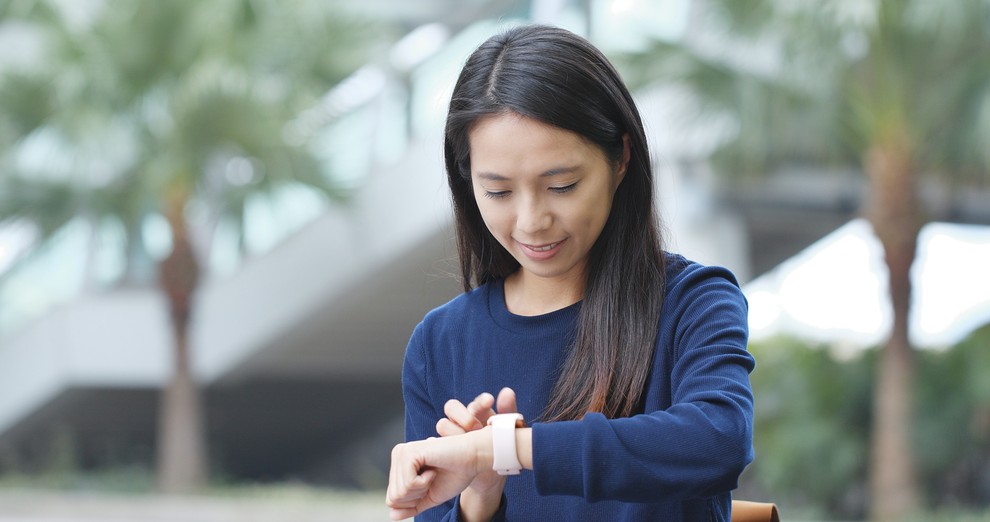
{"type": "Point", "coordinates": [620, 173]}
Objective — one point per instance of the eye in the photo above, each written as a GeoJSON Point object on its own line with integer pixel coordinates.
{"type": "Point", "coordinates": [561, 190]}
{"type": "Point", "coordinates": [496, 194]}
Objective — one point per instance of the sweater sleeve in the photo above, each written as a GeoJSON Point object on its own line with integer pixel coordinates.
{"type": "Point", "coordinates": [421, 415]}
{"type": "Point", "coordinates": [698, 446]}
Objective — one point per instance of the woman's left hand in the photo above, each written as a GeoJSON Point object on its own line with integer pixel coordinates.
{"type": "Point", "coordinates": [461, 419]}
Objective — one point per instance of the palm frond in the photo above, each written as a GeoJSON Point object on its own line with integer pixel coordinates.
{"type": "Point", "coordinates": [778, 121]}
{"type": "Point", "coordinates": [48, 205]}
{"type": "Point", "coordinates": [28, 99]}
{"type": "Point", "coordinates": [186, 97]}
{"type": "Point", "coordinates": [829, 79]}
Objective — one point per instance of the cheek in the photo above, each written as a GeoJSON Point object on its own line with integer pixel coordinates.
{"type": "Point", "coordinates": [495, 219]}
{"type": "Point", "coordinates": [484, 206]}
{"type": "Point", "coordinates": [594, 213]}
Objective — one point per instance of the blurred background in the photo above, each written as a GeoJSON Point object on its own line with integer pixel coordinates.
{"type": "Point", "coordinates": [220, 221]}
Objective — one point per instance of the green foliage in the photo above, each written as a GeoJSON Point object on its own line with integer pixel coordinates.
{"type": "Point", "coordinates": [143, 100]}
{"type": "Point", "coordinates": [28, 101]}
{"type": "Point", "coordinates": [953, 424]}
{"type": "Point", "coordinates": [824, 82]}
{"type": "Point", "coordinates": [812, 426]}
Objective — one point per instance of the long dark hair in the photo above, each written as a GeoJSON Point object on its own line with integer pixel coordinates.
{"type": "Point", "coordinates": [556, 77]}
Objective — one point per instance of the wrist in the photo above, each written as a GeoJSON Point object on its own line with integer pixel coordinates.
{"type": "Point", "coordinates": [481, 499]}
{"type": "Point", "coordinates": [483, 451]}
{"type": "Point", "coordinates": [475, 504]}
{"type": "Point", "coordinates": [524, 447]}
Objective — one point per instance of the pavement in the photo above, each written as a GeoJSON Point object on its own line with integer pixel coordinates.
{"type": "Point", "coordinates": [57, 506]}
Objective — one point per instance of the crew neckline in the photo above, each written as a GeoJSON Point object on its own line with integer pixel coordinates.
{"type": "Point", "coordinates": [503, 317]}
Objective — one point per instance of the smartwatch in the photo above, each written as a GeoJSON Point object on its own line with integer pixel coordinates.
{"type": "Point", "coordinates": [505, 460]}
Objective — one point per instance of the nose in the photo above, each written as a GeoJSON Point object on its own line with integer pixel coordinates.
{"type": "Point", "coordinates": [533, 216]}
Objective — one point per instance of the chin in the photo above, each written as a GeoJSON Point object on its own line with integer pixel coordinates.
{"type": "Point", "coordinates": [545, 271]}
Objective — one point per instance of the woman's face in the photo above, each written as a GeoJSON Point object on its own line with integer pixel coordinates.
{"type": "Point", "coordinates": [543, 192]}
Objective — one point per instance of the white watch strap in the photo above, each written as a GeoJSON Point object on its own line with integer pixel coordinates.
{"type": "Point", "coordinates": [505, 459]}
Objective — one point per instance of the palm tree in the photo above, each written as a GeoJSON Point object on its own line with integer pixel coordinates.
{"type": "Point", "coordinates": [895, 89]}
{"type": "Point", "coordinates": [152, 106]}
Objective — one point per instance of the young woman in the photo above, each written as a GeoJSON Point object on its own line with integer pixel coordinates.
{"type": "Point", "coordinates": [628, 363]}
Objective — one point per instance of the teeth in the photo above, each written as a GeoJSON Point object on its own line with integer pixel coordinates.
{"type": "Point", "coordinates": [544, 248]}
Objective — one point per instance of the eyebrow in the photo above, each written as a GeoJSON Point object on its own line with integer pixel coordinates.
{"type": "Point", "coordinates": [491, 176]}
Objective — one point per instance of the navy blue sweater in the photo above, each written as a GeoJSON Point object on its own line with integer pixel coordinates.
{"type": "Point", "coordinates": [677, 460]}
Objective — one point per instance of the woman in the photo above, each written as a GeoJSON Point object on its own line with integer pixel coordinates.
{"type": "Point", "coordinates": [629, 363]}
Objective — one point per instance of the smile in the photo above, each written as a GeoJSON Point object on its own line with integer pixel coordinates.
{"type": "Point", "coordinates": [544, 248]}
{"type": "Point", "coordinates": [541, 252]}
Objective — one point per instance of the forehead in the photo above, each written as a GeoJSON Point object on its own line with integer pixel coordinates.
{"type": "Point", "coordinates": [510, 143]}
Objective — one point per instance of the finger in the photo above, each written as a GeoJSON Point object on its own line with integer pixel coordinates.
{"type": "Point", "coordinates": [420, 484]}
{"type": "Point", "coordinates": [507, 401]}
{"type": "Point", "coordinates": [418, 489]}
{"type": "Point", "coordinates": [426, 502]}
{"type": "Point", "coordinates": [459, 414]}
{"type": "Point", "coordinates": [482, 402]}
{"type": "Point", "coordinates": [481, 407]}
{"type": "Point", "coordinates": [401, 514]}
{"type": "Point", "coordinates": [393, 476]}
{"type": "Point", "coordinates": [407, 483]}
{"type": "Point", "coordinates": [447, 428]}
{"type": "Point", "coordinates": [410, 493]}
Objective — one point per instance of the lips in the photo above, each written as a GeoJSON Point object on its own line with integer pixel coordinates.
{"type": "Point", "coordinates": [544, 248]}
{"type": "Point", "coordinates": [541, 252]}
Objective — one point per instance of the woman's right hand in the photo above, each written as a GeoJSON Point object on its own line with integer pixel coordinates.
{"type": "Point", "coordinates": [485, 491]}
{"type": "Point", "coordinates": [427, 473]}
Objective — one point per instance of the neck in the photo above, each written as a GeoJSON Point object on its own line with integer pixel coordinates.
{"type": "Point", "coordinates": [528, 294]}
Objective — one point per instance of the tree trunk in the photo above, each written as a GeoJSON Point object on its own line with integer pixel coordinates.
{"type": "Point", "coordinates": [182, 461]}
{"type": "Point", "coordinates": [893, 213]}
